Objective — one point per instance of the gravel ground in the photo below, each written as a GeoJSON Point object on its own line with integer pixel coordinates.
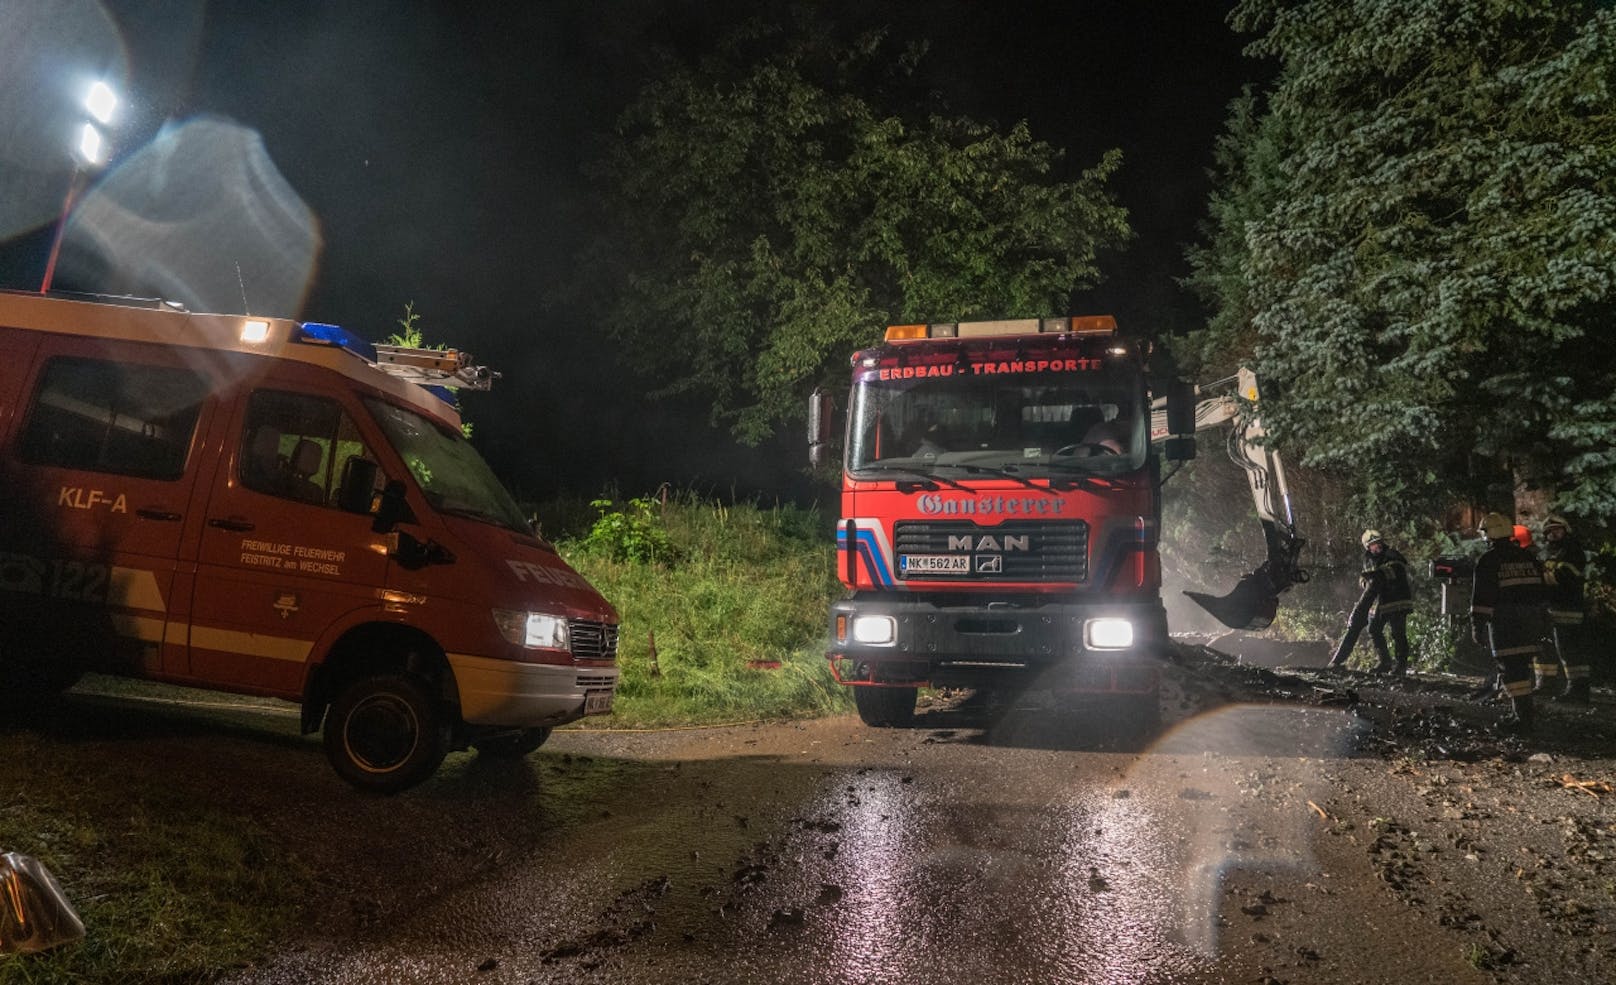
{"type": "Point", "coordinates": [1508, 841]}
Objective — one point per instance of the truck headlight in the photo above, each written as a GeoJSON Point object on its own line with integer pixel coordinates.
{"type": "Point", "coordinates": [1107, 634]}
{"type": "Point", "coordinates": [534, 630]}
{"type": "Point", "coordinates": [875, 630]}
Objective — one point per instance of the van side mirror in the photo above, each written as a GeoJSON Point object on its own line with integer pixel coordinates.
{"type": "Point", "coordinates": [358, 489]}
{"type": "Point", "coordinates": [393, 508]}
{"type": "Point", "coordinates": [413, 553]}
{"type": "Point", "coordinates": [821, 411]}
{"type": "Point", "coordinates": [1180, 443]}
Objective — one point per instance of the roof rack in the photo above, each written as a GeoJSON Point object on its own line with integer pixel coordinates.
{"type": "Point", "coordinates": [442, 367]}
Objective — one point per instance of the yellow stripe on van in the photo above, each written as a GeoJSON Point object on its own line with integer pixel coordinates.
{"type": "Point", "coordinates": [251, 644]}
{"type": "Point", "coordinates": [148, 630]}
{"type": "Point", "coordinates": [137, 627]}
{"type": "Point", "coordinates": [134, 588]}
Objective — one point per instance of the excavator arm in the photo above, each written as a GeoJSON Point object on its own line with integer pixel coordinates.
{"type": "Point", "coordinates": [1254, 600]}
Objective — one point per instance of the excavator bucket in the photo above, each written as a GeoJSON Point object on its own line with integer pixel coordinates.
{"type": "Point", "coordinates": [1251, 605]}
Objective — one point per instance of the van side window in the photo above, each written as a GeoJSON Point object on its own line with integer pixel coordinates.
{"type": "Point", "coordinates": [114, 417]}
{"type": "Point", "coordinates": [296, 446]}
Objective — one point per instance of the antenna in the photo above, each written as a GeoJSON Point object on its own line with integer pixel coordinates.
{"type": "Point", "coordinates": [244, 309]}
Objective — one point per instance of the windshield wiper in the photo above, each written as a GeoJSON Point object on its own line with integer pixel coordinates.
{"type": "Point", "coordinates": [1008, 473]}
{"type": "Point", "coordinates": [470, 513]}
{"type": "Point", "coordinates": [928, 478]}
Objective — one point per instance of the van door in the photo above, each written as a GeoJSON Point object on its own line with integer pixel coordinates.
{"type": "Point", "coordinates": [279, 562]}
{"type": "Point", "coordinates": [99, 477]}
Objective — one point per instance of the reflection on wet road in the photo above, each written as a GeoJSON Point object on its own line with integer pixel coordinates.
{"type": "Point", "coordinates": [829, 853]}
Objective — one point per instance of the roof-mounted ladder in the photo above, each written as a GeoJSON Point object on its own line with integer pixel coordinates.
{"type": "Point", "coordinates": [434, 367]}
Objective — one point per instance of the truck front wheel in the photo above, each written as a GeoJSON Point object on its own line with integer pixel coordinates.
{"type": "Point", "coordinates": [886, 707]}
{"type": "Point", "coordinates": [386, 733]}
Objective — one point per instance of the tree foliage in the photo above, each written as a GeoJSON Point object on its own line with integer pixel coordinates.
{"type": "Point", "coordinates": [1415, 235]}
{"type": "Point", "coordinates": [767, 210]}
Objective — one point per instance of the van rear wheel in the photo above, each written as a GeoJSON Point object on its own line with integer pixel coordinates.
{"type": "Point", "coordinates": [386, 733]}
{"type": "Point", "coordinates": [886, 707]}
{"type": "Point", "coordinates": [511, 745]}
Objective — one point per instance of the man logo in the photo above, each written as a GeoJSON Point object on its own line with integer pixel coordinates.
{"type": "Point", "coordinates": [988, 542]}
{"type": "Point", "coordinates": [990, 564]}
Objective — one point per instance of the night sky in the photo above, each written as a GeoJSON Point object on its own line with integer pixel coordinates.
{"type": "Point", "coordinates": [438, 145]}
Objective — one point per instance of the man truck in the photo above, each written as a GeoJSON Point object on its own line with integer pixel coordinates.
{"type": "Point", "coordinates": [1001, 509]}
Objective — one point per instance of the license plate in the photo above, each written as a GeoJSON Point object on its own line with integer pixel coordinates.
{"type": "Point", "coordinates": [597, 702]}
{"type": "Point", "coordinates": [935, 564]}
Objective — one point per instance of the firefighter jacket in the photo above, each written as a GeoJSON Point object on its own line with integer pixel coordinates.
{"type": "Point", "coordinates": [1510, 594]}
{"type": "Point", "coordinates": [1563, 565]}
{"type": "Point", "coordinates": [1385, 582]}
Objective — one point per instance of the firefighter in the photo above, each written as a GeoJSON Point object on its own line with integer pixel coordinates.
{"type": "Point", "coordinates": [1563, 566]}
{"type": "Point", "coordinates": [1509, 614]}
{"type": "Point", "coordinates": [1386, 588]}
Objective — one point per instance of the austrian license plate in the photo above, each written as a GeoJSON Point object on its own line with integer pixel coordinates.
{"type": "Point", "coordinates": [597, 702]}
{"type": "Point", "coordinates": [934, 564]}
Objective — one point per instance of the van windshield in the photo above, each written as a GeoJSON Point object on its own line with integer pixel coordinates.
{"type": "Point", "coordinates": [454, 478]}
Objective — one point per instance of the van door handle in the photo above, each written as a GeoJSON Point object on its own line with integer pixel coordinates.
{"type": "Point", "coordinates": [151, 514]}
{"type": "Point", "coordinates": [231, 523]}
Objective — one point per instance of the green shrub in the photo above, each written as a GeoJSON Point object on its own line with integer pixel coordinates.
{"type": "Point", "coordinates": [632, 532]}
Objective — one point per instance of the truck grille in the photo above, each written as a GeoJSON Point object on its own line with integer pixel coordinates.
{"type": "Point", "coordinates": [592, 640]}
{"type": "Point", "coordinates": [1026, 551]}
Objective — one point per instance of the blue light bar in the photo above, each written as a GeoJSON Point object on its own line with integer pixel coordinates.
{"type": "Point", "coordinates": [443, 393]}
{"type": "Point", "coordinates": [318, 332]}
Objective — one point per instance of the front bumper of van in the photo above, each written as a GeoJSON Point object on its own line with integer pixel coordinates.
{"type": "Point", "coordinates": [519, 695]}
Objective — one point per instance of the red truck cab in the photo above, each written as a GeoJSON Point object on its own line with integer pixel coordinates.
{"type": "Point", "coordinates": [266, 507]}
{"type": "Point", "coordinates": [1000, 514]}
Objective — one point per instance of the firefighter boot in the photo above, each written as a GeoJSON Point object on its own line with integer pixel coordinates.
{"type": "Point", "coordinates": [1521, 721]}
{"type": "Point", "coordinates": [1383, 659]}
{"type": "Point", "coordinates": [1576, 693]}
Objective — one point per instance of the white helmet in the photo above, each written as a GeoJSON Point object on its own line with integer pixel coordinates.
{"type": "Point", "coordinates": [1370, 537]}
{"type": "Point", "coordinates": [1497, 526]}
{"type": "Point", "coordinates": [1555, 520]}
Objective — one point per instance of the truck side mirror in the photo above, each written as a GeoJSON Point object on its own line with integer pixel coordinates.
{"type": "Point", "coordinates": [821, 410]}
{"type": "Point", "coordinates": [1180, 443]}
{"type": "Point", "coordinates": [393, 508]}
{"type": "Point", "coordinates": [358, 488]}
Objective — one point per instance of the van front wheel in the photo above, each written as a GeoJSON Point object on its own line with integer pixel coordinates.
{"type": "Point", "coordinates": [386, 733]}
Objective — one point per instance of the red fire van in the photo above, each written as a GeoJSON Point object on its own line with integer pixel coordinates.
{"type": "Point", "coordinates": [276, 508]}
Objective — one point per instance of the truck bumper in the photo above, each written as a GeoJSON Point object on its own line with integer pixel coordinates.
{"type": "Point", "coordinates": [518, 695]}
{"type": "Point", "coordinates": [1061, 645]}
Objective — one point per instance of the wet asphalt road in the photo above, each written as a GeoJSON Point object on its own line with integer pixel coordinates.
{"type": "Point", "coordinates": [1009, 849]}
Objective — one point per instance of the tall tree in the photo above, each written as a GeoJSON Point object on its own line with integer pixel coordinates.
{"type": "Point", "coordinates": [1414, 235]}
{"type": "Point", "coordinates": [768, 208]}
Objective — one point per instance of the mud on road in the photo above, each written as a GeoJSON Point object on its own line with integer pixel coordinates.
{"type": "Point", "coordinates": [1285, 826]}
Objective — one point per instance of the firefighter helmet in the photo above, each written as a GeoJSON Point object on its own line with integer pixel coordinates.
{"type": "Point", "coordinates": [1370, 537]}
{"type": "Point", "coordinates": [1497, 526]}
{"type": "Point", "coordinates": [1555, 520]}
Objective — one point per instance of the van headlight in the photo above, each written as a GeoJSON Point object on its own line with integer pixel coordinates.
{"type": "Point", "coordinates": [1107, 634]}
{"type": "Point", "coordinates": [534, 630]}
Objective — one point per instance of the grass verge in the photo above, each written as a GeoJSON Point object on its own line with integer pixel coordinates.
{"type": "Point", "coordinates": [723, 609]}
{"type": "Point", "coordinates": [175, 891]}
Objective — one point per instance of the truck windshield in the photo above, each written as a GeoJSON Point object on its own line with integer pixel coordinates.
{"type": "Point", "coordinates": [1029, 424]}
{"type": "Point", "coordinates": [454, 478]}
